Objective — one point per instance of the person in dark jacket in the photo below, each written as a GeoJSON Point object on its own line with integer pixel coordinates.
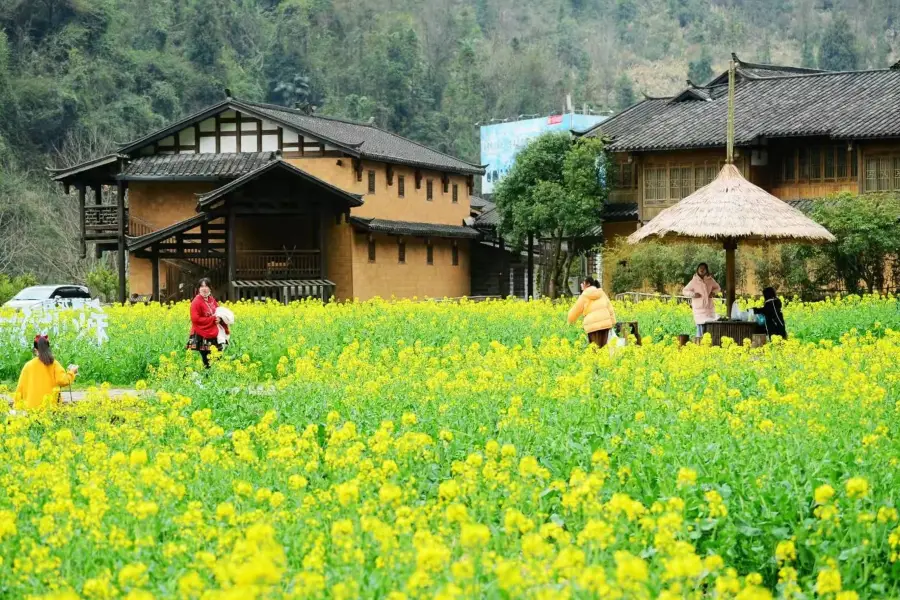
{"type": "Point", "coordinates": [771, 309]}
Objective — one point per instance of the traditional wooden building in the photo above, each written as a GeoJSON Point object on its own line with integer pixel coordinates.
{"type": "Point", "coordinates": [270, 201]}
{"type": "Point", "coordinates": [799, 133]}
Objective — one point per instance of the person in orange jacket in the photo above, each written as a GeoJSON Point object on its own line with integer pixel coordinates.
{"type": "Point", "coordinates": [594, 305]}
{"type": "Point", "coordinates": [42, 377]}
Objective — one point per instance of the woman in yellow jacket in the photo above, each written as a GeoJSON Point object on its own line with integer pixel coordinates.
{"type": "Point", "coordinates": [42, 377]}
{"type": "Point", "coordinates": [594, 305]}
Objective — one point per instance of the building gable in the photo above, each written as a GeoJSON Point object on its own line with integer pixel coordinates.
{"type": "Point", "coordinates": [236, 131]}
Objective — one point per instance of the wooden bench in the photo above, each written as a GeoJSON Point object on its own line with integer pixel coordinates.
{"type": "Point", "coordinates": [140, 299]}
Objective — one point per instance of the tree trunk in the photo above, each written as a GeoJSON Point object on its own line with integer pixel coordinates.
{"type": "Point", "coordinates": [564, 272]}
{"type": "Point", "coordinates": [553, 277]}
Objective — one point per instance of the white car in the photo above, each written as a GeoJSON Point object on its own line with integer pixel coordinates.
{"type": "Point", "coordinates": [51, 296]}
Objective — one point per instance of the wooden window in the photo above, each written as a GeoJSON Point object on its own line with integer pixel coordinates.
{"type": "Point", "coordinates": [622, 176]}
{"type": "Point", "coordinates": [854, 164]}
{"type": "Point", "coordinates": [455, 193]}
{"type": "Point", "coordinates": [455, 254]}
{"type": "Point", "coordinates": [371, 249]}
{"type": "Point", "coordinates": [429, 190]}
{"type": "Point", "coordinates": [882, 174]}
{"type": "Point", "coordinates": [840, 161]}
{"type": "Point", "coordinates": [815, 164]}
{"type": "Point", "coordinates": [667, 184]}
{"type": "Point", "coordinates": [789, 167]}
{"type": "Point", "coordinates": [429, 252]}
{"type": "Point", "coordinates": [401, 186]}
{"type": "Point", "coordinates": [655, 184]}
{"type": "Point", "coordinates": [401, 251]}
{"type": "Point", "coordinates": [803, 164]}
{"type": "Point", "coordinates": [681, 182]}
{"type": "Point", "coordinates": [830, 162]}
{"type": "Point", "coordinates": [446, 186]}
{"type": "Point", "coordinates": [371, 182]}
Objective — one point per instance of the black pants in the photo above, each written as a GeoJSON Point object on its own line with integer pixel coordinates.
{"type": "Point", "coordinates": [204, 354]}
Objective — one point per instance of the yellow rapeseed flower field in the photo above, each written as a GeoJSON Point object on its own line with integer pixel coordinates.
{"type": "Point", "coordinates": [401, 450]}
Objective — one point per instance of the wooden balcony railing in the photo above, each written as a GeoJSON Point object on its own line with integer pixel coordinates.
{"type": "Point", "coordinates": [274, 264]}
{"type": "Point", "coordinates": [102, 221]}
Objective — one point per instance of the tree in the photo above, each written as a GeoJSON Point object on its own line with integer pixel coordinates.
{"type": "Point", "coordinates": [625, 96]}
{"type": "Point", "coordinates": [807, 58]}
{"type": "Point", "coordinates": [700, 70]}
{"type": "Point", "coordinates": [839, 51]}
{"type": "Point", "coordinates": [553, 191]}
{"type": "Point", "coordinates": [867, 236]}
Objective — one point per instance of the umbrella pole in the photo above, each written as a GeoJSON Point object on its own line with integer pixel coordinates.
{"type": "Point", "coordinates": [730, 247]}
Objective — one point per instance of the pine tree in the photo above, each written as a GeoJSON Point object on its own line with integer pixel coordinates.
{"type": "Point", "coordinates": [625, 96]}
{"type": "Point", "coordinates": [700, 70]}
{"type": "Point", "coordinates": [839, 51]}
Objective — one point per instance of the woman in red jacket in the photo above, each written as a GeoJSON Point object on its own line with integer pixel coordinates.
{"type": "Point", "coordinates": [204, 323]}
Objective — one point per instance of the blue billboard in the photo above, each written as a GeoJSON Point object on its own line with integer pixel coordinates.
{"type": "Point", "coordinates": [501, 142]}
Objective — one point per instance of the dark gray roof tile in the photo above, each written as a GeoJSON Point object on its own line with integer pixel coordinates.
{"type": "Point", "coordinates": [195, 166]}
{"type": "Point", "coordinates": [370, 141]}
{"type": "Point", "coordinates": [414, 229]}
{"type": "Point", "coordinates": [850, 105]}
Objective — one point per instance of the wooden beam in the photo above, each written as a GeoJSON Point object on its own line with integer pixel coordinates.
{"type": "Point", "coordinates": [300, 143]}
{"type": "Point", "coordinates": [530, 281]}
{"type": "Point", "coordinates": [239, 132]}
{"type": "Point", "coordinates": [218, 134]}
{"type": "Point", "coordinates": [120, 205]}
{"type": "Point", "coordinates": [231, 260]}
{"type": "Point", "coordinates": [82, 223]}
{"type": "Point", "coordinates": [280, 139]}
{"type": "Point", "coordinates": [323, 266]}
{"type": "Point", "coordinates": [154, 265]}
{"type": "Point", "coordinates": [504, 270]}
{"type": "Point", "coordinates": [259, 134]}
{"type": "Point", "coordinates": [98, 194]}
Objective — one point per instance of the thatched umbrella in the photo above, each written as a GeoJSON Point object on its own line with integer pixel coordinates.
{"type": "Point", "coordinates": [730, 210]}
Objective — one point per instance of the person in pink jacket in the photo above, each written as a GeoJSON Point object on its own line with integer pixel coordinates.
{"type": "Point", "coordinates": [702, 288]}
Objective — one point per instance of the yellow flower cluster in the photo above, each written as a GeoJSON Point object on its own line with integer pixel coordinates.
{"type": "Point", "coordinates": [452, 467]}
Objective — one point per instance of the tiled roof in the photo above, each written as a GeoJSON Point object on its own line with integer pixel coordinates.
{"type": "Point", "coordinates": [205, 200]}
{"type": "Point", "coordinates": [195, 166]}
{"type": "Point", "coordinates": [847, 105]}
{"type": "Point", "coordinates": [625, 211]}
{"type": "Point", "coordinates": [611, 213]}
{"type": "Point", "coordinates": [414, 229]}
{"type": "Point", "coordinates": [489, 218]}
{"type": "Point", "coordinates": [477, 202]}
{"type": "Point", "coordinates": [370, 141]}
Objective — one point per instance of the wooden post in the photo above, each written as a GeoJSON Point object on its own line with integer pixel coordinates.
{"type": "Point", "coordinates": [120, 199]}
{"type": "Point", "coordinates": [504, 270]}
{"type": "Point", "coordinates": [98, 195]}
{"type": "Point", "coordinates": [530, 281]}
{"type": "Point", "coordinates": [81, 204]}
{"type": "Point", "coordinates": [154, 264]}
{"type": "Point", "coordinates": [231, 258]}
{"type": "Point", "coordinates": [323, 265]}
{"type": "Point", "coordinates": [730, 283]}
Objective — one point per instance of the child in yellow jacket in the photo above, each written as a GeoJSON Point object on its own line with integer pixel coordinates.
{"type": "Point", "coordinates": [42, 377]}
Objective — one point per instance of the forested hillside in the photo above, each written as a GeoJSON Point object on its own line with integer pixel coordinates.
{"type": "Point", "coordinates": [77, 76]}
